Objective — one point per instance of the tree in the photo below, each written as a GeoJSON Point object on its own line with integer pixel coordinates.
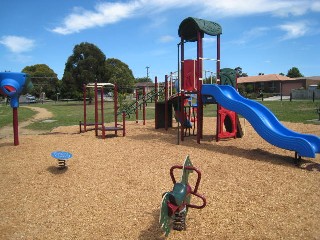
{"type": "Point", "coordinates": [85, 65]}
{"type": "Point", "coordinates": [143, 79]}
{"type": "Point", "coordinates": [210, 80]}
{"type": "Point", "coordinates": [119, 73]}
{"type": "Point", "coordinates": [44, 79]}
{"type": "Point", "coordinates": [240, 73]}
{"type": "Point", "coordinates": [294, 73]}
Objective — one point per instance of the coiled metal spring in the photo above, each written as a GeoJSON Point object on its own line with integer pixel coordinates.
{"type": "Point", "coordinates": [179, 221]}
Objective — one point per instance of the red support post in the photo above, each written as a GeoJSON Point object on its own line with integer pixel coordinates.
{"type": "Point", "coordinates": [124, 123]}
{"type": "Point", "coordinates": [182, 115]}
{"type": "Point", "coordinates": [199, 85]}
{"type": "Point", "coordinates": [155, 102]}
{"type": "Point", "coordinates": [166, 103]}
{"type": "Point", "coordinates": [96, 116]}
{"type": "Point", "coordinates": [218, 78]}
{"type": "Point", "coordinates": [182, 64]}
{"type": "Point", "coordinates": [137, 105]}
{"type": "Point", "coordinates": [15, 126]}
{"type": "Point", "coordinates": [115, 95]}
{"type": "Point", "coordinates": [102, 116]}
{"type": "Point", "coordinates": [144, 105]}
{"type": "Point", "coordinates": [84, 108]}
{"type": "Point", "coordinates": [181, 106]}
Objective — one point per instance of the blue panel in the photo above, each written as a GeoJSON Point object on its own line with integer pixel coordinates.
{"type": "Point", "coordinates": [61, 155]}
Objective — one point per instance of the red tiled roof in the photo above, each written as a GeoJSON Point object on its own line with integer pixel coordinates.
{"type": "Point", "coordinates": [264, 78]}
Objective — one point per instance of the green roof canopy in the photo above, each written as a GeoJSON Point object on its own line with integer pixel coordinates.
{"type": "Point", "coordinates": [190, 26]}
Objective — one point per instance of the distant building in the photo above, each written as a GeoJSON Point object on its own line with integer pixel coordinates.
{"type": "Point", "coordinates": [149, 86]}
{"type": "Point", "coordinates": [275, 83]}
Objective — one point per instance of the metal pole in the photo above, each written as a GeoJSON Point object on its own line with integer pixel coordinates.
{"type": "Point", "coordinates": [147, 72]}
{"type": "Point", "coordinates": [15, 126]}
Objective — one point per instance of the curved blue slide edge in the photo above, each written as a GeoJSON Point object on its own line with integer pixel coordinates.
{"type": "Point", "coordinates": [264, 121]}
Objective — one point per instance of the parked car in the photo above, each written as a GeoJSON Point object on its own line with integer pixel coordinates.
{"type": "Point", "coordinates": [31, 99]}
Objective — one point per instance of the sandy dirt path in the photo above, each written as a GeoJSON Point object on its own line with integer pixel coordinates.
{"type": "Point", "coordinates": [42, 114]}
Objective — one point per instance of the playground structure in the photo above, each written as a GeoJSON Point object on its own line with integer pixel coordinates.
{"type": "Point", "coordinates": [12, 85]}
{"type": "Point", "coordinates": [126, 111]}
{"type": "Point", "coordinates": [189, 112]}
{"type": "Point", "coordinates": [175, 204]}
{"type": "Point", "coordinates": [224, 94]}
{"type": "Point", "coordinates": [117, 127]}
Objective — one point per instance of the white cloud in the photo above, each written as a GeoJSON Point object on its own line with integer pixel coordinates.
{"type": "Point", "coordinates": [294, 30]}
{"type": "Point", "coordinates": [111, 12]}
{"type": "Point", "coordinates": [315, 6]}
{"type": "Point", "coordinates": [105, 13]}
{"type": "Point", "coordinates": [209, 39]}
{"type": "Point", "coordinates": [250, 7]}
{"type": "Point", "coordinates": [17, 44]}
{"type": "Point", "coordinates": [252, 34]}
{"type": "Point", "coordinates": [166, 38]}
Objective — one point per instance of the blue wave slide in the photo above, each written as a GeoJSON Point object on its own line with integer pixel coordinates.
{"type": "Point", "coordinates": [263, 121]}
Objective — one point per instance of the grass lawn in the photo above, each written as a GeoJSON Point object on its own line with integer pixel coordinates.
{"type": "Point", "coordinates": [70, 113]}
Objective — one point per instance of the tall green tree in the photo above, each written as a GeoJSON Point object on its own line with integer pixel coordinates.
{"type": "Point", "coordinates": [85, 65]}
{"type": "Point", "coordinates": [119, 73]}
{"type": "Point", "coordinates": [44, 79]}
{"type": "Point", "coordinates": [294, 73]}
{"type": "Point", "coordinates": [240, 73]}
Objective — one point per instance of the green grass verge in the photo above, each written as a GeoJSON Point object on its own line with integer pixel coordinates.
{"type": "Point", "coordinates": [6, 114]}
{"type": "Point", "coordinates": [295, 111]}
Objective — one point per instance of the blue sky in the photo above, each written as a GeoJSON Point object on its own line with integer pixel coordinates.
{"type": "Point", "coordinates": [268, 36]}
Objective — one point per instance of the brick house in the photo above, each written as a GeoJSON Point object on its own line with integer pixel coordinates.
{"type": "Point", "coordinates": [275, 83]}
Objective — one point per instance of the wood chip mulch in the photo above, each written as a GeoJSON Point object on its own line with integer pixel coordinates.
{"type": "Point", "coordinates": [112, 188]}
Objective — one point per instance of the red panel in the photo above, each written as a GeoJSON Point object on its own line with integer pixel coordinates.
{"type": "Point", "coordinates": [10, 88]}
{"type": "Point", "coordinates": [190, 75]}
{"type": "Point", "coordinates": [223, 133]}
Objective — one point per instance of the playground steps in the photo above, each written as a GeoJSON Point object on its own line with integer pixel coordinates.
{"type": "Point", "coordinates": [131, 109]}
